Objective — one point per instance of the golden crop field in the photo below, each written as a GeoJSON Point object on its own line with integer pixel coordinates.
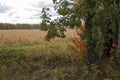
{"type": "Point", "coordinates": [17, 37]}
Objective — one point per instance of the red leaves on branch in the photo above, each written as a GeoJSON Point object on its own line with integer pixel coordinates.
{"type": "Point", "coordinates": [114, 48]}
{"type": "Point", "coordinates": [78, 47]}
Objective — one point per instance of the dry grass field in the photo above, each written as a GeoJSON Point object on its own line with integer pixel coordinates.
{"type": "Point", "coordinates": [17, 37]}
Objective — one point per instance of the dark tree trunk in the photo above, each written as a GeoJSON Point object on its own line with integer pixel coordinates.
{"type": "Point", "coordinates": [108, 39]}
{"type": "Point", "coordinates": [91, 55]}
{"type": "Point", "coordinates": [115, 42]}
{"type": "Point", "coordinates": [107, 45]}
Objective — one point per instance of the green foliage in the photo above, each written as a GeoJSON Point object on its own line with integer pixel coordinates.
{"type": "Point", "coordinates": [55, 31]}
{"type": "Point", "coordinates": [45, 16]}
{"type": "Point", "coordinates": [97, 14]}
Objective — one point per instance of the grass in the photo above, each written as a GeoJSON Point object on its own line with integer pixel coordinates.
{"type": "Point", "coordinates": [33, 62]}
{"type": "Point", "coordinates": [38, 62]}
{"type": "Point", "coordinates": [44, 61]}
{"type": "Point", "coordinates": [24, 58]}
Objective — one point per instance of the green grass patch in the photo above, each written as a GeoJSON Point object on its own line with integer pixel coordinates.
{"type": "Point", "coordinates": [44, 61]}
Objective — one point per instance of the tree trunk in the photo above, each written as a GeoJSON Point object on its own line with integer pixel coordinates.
{"type": "Point", "coordinates": [107, 45]}
{"type": "Point", "coordinates": [91, 55]}
{"type": "Point", "coordinates": [115, 42]}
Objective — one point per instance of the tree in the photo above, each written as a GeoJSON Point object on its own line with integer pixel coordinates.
{"type": "Point", "coordinates": [45, 19]}
{"type": "Point", "coordinates": [101, 27]}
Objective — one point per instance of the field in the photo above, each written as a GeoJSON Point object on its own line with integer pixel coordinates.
{"type": "Point", "coordinates": [25, 55]}
{"type": "Point", "coordinates": [18, 37]}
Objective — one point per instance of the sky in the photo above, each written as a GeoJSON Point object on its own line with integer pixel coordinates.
{"type": "Point", "coordinates": [24, 11]}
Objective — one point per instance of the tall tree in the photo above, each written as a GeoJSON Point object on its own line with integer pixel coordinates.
{"type": "Point", "coordinates": [101, 26]}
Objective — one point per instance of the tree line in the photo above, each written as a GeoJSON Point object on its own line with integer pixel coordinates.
{"type": "Point", "coordinates": [6, 26]}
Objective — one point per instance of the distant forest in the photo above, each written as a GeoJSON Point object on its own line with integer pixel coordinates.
{"type": "Point", "coordinates": [7, 26]}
